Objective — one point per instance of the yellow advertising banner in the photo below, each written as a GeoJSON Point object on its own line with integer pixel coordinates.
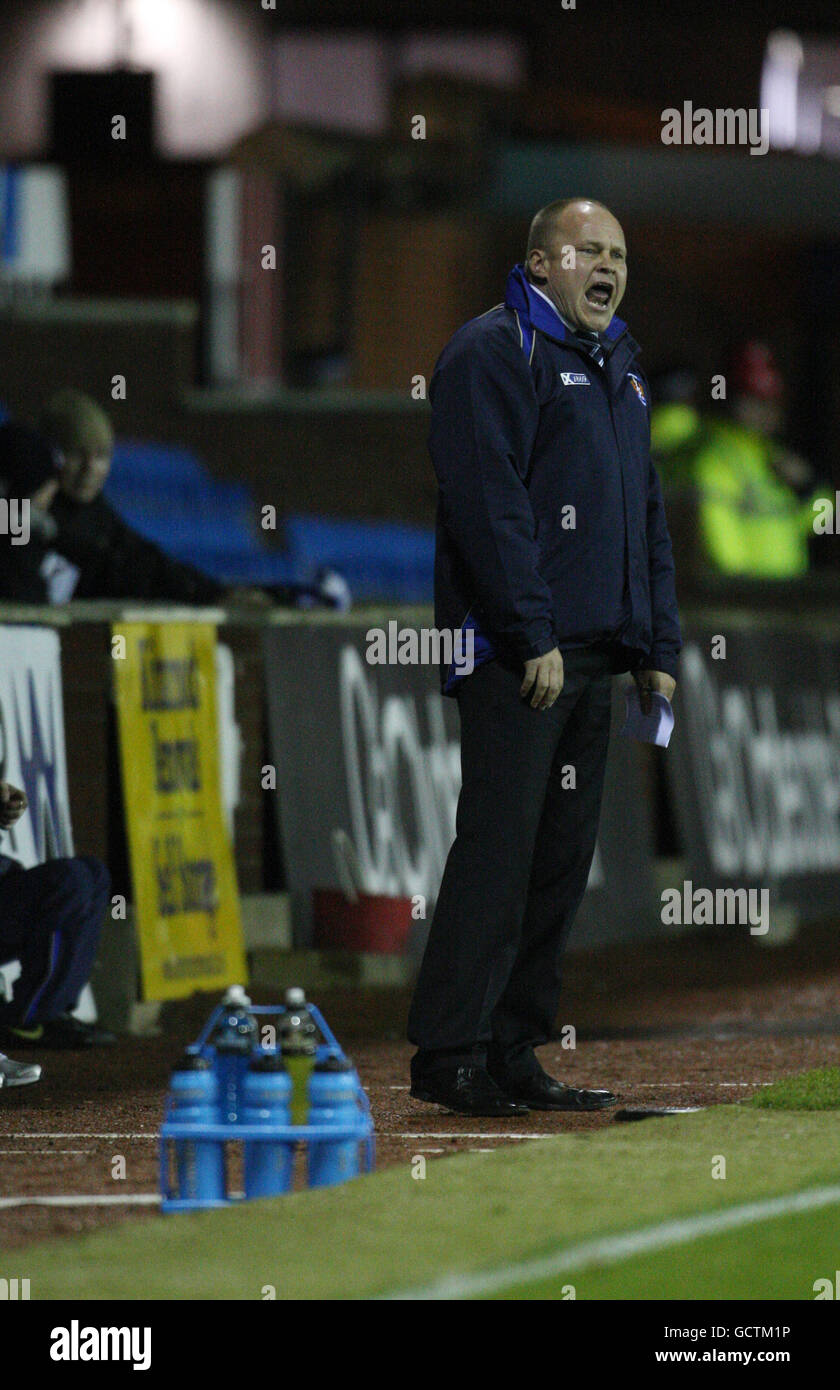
{"type": "Point", "coordinates": [185, 892]}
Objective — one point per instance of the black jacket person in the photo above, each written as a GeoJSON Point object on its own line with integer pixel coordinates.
{"type": "Point", "coordinates": [551, 528]}
{"type": "Point", "coordinates": [105, 557]}
{"type": "Point", "coordinates": [114, 561]}
{"type": "Point", "coordinates": [552, 548]}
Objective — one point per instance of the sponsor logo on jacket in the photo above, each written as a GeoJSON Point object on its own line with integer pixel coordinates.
{"type": "Point", "coordinates": [638, 387]}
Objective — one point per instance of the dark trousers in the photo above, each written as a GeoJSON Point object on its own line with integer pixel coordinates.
{"type": "Point", "coordinates": [489, 984]}
{"type": "Point", "coordinates": [50, 920]}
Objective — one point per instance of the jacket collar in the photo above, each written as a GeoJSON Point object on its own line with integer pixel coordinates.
{"type": "Point", "coordinates": [534, 312]}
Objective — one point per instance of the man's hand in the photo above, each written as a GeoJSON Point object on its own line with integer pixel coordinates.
{"type": "Point", "coordinates": [545, 674]}
{"type": "Point", "coordinates": [13, 803]}
{"type": "Point", "coordinates": [653, 680]}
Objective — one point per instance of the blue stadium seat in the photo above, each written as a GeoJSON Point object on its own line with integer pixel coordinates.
{"type": "Point", "coordinates": [154, 465]}
{"type": "Point", "coordinates": [379, 559]}
{"type": "Point", "coordinates": [167, 495]}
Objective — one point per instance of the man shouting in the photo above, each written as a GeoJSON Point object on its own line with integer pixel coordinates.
{"type": "Point", "coordinates": [552, 546]}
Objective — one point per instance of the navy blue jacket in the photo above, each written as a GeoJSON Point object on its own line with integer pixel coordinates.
{"type": "Point", "coordinates": [526, 426]}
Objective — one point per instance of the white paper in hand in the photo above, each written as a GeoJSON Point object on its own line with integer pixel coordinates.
{"type": "Point", "coordinates": [655, 727]}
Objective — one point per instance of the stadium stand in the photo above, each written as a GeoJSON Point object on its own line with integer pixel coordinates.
{"type": "Point", "coordinates": [379, 560]}
{"type": "Point", "coordinates": [169, 497]}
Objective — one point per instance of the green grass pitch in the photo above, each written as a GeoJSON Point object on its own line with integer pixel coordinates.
{"type": "Point", "coordinates": [473, 1213]}
{"type": "Point", "coordinates": [810, 1090]}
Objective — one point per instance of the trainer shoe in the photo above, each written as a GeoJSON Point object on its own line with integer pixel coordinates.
{"type": "Point", "coordinates": [18, 1073]}
{"type": "Point", "coordinates": [64, 1033]}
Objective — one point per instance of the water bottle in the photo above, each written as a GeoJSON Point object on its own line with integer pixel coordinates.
{"type": "Point", "coordinates": [298, 1046]}
{"type": "Point", "coordinates": [268, 1164]}
{"type": "Point", "coordinates": [234, 1040]}
{"type": "Point", "coordinates": [194, 1101]}
{"type": "Point", "coordinates": [333, 1088]}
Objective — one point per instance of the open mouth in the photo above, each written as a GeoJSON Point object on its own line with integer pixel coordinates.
{"type": "Point", "coordinates": [599, 295]}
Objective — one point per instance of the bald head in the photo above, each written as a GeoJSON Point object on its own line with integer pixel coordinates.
{"type": "Point", "coordinates": [577, 255]}
{"type": "Point", "coordinates": [545, 223]}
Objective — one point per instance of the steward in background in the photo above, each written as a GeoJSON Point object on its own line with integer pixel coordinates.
{"type": "Point", "coordinates": [741, 498]}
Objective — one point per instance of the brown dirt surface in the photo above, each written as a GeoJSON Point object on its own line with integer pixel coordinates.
{"type": "Point", "coordinates": [698, 1021]}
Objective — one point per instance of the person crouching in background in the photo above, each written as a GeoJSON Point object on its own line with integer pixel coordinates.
{"type": "Point", "coordinates": [50, 921]}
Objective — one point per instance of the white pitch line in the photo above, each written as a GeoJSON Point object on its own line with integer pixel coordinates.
{"type": "Point", "coordinates": [643, 1084]}
{"type": "Point", "coordinates": [610, 1250]}
{"type": "Point", "coordinates": [83, 1134]}
{"type": "Point", "coordinates": [139, 1199]}
{"type": "Point", "coordinates": [30, 1152]}
{"type": "Point", "coordinates": [454, 1134]}
{"type": "Point", "coordinates": [461, 1134]}
{"type": "Point", "coordinates": [649, 1083]}
{"type": "Point", "coordinates": [696, 1085]}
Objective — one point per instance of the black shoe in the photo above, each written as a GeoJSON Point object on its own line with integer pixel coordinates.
{"type": "Point", "coordinates": [542, 1092]}
{"type": "Point", "coordinates": [468, 1090]}
{"type": "Point", "coordinates": [64, 1033]}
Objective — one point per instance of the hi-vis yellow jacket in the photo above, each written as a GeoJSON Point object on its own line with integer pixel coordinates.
{"type": "Point", "coordinates": [751, 522]}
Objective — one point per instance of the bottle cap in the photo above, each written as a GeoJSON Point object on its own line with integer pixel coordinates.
{"type": "Point", "coordinates": [193, 1061]}
{"type": "Point", "coordinates": [333, 1063]}
{"type": "Point", "coordinates": [236, 996]}
{"type": "Point", "coordinates": [267, 1061]}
